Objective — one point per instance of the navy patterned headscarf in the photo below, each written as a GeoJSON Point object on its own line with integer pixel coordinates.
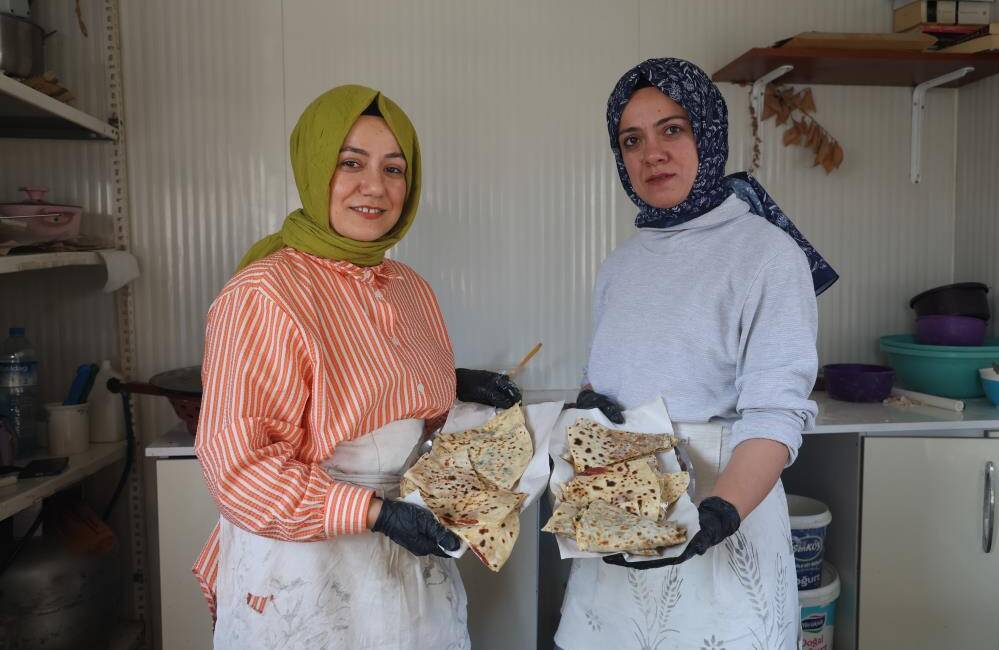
{"type": "Point", "coordinates": [691, 88]}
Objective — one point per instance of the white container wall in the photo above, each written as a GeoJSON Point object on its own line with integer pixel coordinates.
{"type": "Point", "coordinates": [977, 237]}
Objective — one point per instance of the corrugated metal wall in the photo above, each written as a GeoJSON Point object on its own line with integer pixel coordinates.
{"type": "Point", "coordinates": [69, 320]}
{"type": "Point", "coordinates": [206, 161]}
{"type": "Point", "coordinates": [977, 236]}
{"type": "Point", "coordinates": [521, 201]}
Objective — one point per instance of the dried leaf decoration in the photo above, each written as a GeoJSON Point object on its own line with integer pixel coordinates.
{"type": "Point", "coordinates": [797, 107]}
{"type": "Point", "coordinates": [792, 135]}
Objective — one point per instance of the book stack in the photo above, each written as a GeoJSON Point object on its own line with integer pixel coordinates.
{"type": "Point", "coordinates": [950, 22]}
{"type": "Point", "coordinates": [984, 39]}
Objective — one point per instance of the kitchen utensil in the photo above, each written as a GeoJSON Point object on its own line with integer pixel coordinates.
{"type": "Point", "coordinates": [513, 372]}
{"type": "Point", "coordinates": [947, 329]}
{"type": "Point", "coordinates": [89, 385]}
{"type": "Point", "coordinates": [182, 387]}
{"type": "Point", "coordinates": [22, 52]}
{"type": "Point", "coordinates": [949, 371]}
{"type": "Point", "coordinates": [76, 386]}
{"type": "Point", "coordinates": [83, 381]}
{"type": "Point", "coordinates": [858, 382]}
{"type": "Point", "coordinates": [962, 299]}
{"type": "Point", "coordinates": [945, 403]}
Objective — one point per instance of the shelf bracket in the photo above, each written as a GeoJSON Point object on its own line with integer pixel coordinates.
{"type": "Point", "coordinates": [760, 87]}
{"type": "Point", "coordinates": [918, 109]}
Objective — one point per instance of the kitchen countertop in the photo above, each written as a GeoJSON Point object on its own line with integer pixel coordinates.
{"type": "Point", "coordinates": [834, 417]}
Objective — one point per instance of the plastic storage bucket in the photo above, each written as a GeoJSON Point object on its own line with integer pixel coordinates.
{"type": "Point", "coordinates": [818, 611]}
{"type": "Point", "coordinates": [809, 520]}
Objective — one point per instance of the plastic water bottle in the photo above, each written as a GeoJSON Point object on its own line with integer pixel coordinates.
{"type": "Point", "coordinates": [19, 403]}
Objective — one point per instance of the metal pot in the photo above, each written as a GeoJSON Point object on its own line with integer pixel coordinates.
{"type": "Point", "coordinates": [21, 51]}
{"type": "Point", "coordinates": [55, 598]}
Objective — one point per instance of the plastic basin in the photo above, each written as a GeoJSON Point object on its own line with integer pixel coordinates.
{"type": "Point", "coordinates": [948, 371]}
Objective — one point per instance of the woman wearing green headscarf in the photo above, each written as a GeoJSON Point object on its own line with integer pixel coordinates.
{"type": "Point", "coordinates": [323, 361]}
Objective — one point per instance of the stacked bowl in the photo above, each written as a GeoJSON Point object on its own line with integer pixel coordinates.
{"type": "Point", "coordinates": [950, 344]}
{"type": "Point", "coordinates": [953, 315]}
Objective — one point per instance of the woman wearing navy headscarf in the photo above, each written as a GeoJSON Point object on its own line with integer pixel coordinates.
{"type": "Point", "coordinates": [710, 306]}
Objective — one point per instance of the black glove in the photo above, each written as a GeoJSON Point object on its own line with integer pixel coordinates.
{"type": "Point", "coordinates": [485, 387]}
{"type": "Point", "coordinates": [590, 399]}
{"type": "Point", "coordinates": [718, 519]}
{"type": "Point", "coordinates": [414, 529]}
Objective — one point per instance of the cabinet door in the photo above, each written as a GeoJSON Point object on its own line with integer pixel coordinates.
{"type": "Point", "coordinates": [925, 578]}
{"type": "Point", "coordinates": [187, 515]}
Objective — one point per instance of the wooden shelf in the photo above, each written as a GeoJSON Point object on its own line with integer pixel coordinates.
{"type": "Point", "coordinates": [27, 113]}
{"type": "Point", "coordinates": [34, 261]}
{"type": "Point", "coordinates": [857, 67]}
{"type": "Point", "coordinates": [25, 493]}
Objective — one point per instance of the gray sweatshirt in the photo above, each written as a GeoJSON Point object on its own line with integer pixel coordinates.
{"type": "Point", "coordinates": [718, 317]}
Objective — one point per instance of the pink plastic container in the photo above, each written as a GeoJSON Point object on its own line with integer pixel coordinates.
{"type": "Point", "coordinates": [37, 222]}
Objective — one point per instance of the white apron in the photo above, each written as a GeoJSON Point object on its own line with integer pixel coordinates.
{"type": "Point", "coordinates": [355, 592]}
{"type": "Point", "coordinates": [741, 594]}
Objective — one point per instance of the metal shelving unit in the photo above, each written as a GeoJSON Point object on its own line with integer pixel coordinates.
{"type": "Point", "coordinates": [28, 114]}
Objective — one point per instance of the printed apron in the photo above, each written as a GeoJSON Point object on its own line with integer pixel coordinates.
{"type": "Point", "coordinates": [354, 592]}
{"type": "Point", "coordinates": [740, 595]}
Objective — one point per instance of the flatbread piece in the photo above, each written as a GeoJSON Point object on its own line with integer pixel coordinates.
{"type": "Point", "coordinates": [563, 520]}
{"type": "Point", "coordinates": [593, 445]}
{"type": "Point", "coordinates": [608, 529]}
{"type": "Point", "coordinates": [632, 485]}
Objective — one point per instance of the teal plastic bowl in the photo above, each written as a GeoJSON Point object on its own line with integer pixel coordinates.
{"type": "Point", "coordinates": [949, 371]}
{"type": "Point", "coordinates": [990, 382]}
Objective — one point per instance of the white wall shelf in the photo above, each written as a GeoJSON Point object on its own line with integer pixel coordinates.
{"type": "Point", "coordinates": [34, 261]}
{"type": "Point", "coordinates": [27, 113]}
{"type": "Point", "coordinates": [27, 492]}
{"type": "Point", "coordinates": [920, 70]}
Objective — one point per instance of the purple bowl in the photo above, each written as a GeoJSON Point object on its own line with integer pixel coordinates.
{"type": "Point", "coordinates": [858, 382]}
{"type": "Point", "coordinates": [950, 330]}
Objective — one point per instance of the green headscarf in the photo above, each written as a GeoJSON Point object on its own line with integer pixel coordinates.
{"type": "Point", "coordinates": [315, 150]}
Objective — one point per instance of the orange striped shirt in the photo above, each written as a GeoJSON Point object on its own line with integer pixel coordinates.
{"type": "Point", "coordinates": [303, 353]}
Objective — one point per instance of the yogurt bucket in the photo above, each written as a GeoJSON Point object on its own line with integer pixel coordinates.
{"type": "Point", "coordinates": [818, 611]}
{"type": "Point", "coordinates": [809, 520]}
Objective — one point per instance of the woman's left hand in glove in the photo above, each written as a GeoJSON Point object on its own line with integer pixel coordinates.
{"type": "Point", "coordinates": [485, 387]}
{"type": "Point", "coordinates": [718, 518]}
